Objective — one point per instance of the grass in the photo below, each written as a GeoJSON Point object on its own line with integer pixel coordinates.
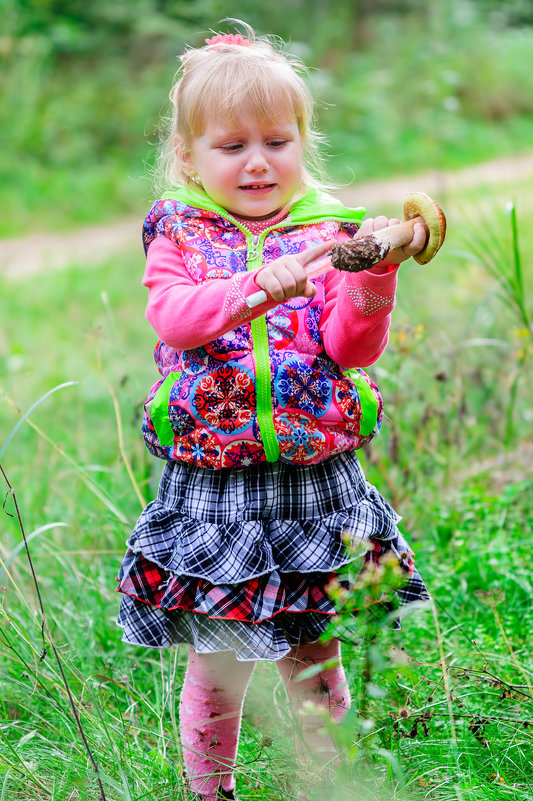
{"type": "Point", "coordinates": [442, 709]}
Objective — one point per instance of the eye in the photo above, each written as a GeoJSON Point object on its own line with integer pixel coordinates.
{"type": "Point", "coordinates": [231, 148]}
{"type": "Point", "coordinates": [277, 143]}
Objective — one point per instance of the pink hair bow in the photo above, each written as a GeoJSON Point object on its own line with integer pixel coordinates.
{"type": "Point", "coordinates": [228, 38]}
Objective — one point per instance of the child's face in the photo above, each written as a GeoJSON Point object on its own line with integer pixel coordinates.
{"type": "Point", "coordinates": [252, 169]}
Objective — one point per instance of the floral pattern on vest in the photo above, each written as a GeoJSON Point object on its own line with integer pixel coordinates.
{"type": "Point", "coordinates": [203, 409]}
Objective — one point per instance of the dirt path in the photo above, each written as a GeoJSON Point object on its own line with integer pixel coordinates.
{"type": "Point", "coordinates": [29, 255]}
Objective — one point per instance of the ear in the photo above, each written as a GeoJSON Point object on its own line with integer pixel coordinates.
{"type": "Point", "coordinates": [183, 156]}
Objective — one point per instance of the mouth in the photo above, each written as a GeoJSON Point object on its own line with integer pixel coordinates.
{"type": "Point", "coordinates": [257, 189]}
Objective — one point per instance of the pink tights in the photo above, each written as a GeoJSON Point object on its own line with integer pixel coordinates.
{"type": "Point", "coordinates": [211, 704]}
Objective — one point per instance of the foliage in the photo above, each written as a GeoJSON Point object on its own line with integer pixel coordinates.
{"type": "Point", "coordinates": [446, 94]}
{"type": "Point", "coordinates": [402, 85]}
{"type": "Point", "coordinates": [457, 681]}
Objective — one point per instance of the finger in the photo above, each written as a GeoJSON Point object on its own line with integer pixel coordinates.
{"type": "Point", "coordinates": [294, 279]}
{"type": "Point", "coordinates": [270, 283]}
{"type": "Point", "coordinates": [313, 253]}
{"type": "Point", "coordinates": [284, 278]}
{"type": "Point", "coordinates": [294, 268]}
{"type": "Point", "coordinates": [419, 239]}
{"type": "Point", "coordinates": [366, 228]}
{"type": "Point", "coordinates": [291, 282]}
{"type": "Point", "coordinates": [394, 221]}
{"type": "Point", "coordinates": [415, 246]}
{"type": "Point", "coordinates": [310, 290]}
{"type": "Point", "coordinates": [380, 222]}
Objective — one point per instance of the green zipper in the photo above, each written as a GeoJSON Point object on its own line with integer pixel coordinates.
{"type": "Point", "coordinates": [263, 375]}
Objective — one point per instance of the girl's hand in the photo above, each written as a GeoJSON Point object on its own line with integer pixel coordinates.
{"type": "Point", "coordinates": [286, 277]}
{"type": "Point", "coordinates": [400, 254]}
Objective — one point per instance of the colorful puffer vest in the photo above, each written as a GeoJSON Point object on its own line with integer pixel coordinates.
{"type": "Point", "coordinates": [266, 390]}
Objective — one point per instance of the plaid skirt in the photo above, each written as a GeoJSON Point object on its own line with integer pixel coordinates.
{"type": "Point", "coordinates": [241, 559]}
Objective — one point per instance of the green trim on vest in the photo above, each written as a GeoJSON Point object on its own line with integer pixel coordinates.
{"type": "Point", "coordinates": [367, 399]}
{"type": "Point", "coordinates": [159, 410]}
{"type": "Point", "coordinates": [317, 206]}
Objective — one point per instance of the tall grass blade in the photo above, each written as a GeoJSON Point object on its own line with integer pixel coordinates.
{"type": "Point", "coordinates": [29, 537]}
{"type": "Point", "coordinates": [120, 433]}
{"type": "Point", "coordinates": [26, 414]}
{"type": "Point", "coordinates": [517, 262]}
{"type": "Point", "coordinates": [24, 767]}
{"type": "Point", "coordinates": [445, 676]}
{"type": "Point", "coordinates": [44, 628]}
{"type": "Point", "coordinates": [125, 784]}
{"type": "Point", "coordinates": [4, 786]}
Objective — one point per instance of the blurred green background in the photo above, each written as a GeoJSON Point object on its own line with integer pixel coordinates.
{"type": "Point", "coordinates": [405, 88]}
{"type": "Point", "coordinates": [401, 85]}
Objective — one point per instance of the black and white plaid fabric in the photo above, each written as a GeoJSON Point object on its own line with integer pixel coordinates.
{"type": "Point", "coordinates": [239, 559]}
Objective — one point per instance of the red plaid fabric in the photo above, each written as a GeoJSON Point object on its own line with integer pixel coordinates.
{"type": "Point", "coordinates": [294, 592]}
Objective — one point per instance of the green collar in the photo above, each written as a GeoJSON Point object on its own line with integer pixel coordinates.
{"type": "Point", "coordinates": [314, 206]}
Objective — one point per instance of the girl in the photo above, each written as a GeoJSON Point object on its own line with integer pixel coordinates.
{"type": "Point", "coordinates": [257, 413]}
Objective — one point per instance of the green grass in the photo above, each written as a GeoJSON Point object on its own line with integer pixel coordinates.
{"type": "Point", "coordinates": [458, 473]}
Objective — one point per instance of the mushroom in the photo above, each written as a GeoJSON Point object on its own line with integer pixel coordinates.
{"type": "Point", "coordinates": [360, 254]}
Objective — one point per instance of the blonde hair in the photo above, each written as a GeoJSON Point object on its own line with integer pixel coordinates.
{"type": "Point", "coordinates": [223, 79]}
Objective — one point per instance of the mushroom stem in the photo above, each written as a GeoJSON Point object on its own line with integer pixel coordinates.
{"type": "Point", "coordinates": [396, 236]}
{"type": "Point", "coordinates": [361, 254]}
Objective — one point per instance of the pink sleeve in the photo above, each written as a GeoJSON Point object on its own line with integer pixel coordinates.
{"type": "Point", "coordinates": [186, 315]}
{"type": "Point", "coordinates": [356, 318]}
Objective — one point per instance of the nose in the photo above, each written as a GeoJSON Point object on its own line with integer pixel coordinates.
{"type": "Point", "coordinates": [257, 160]}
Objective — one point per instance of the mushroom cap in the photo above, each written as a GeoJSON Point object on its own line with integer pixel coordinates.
{"type": "Point", "coordinates": [418, 204]}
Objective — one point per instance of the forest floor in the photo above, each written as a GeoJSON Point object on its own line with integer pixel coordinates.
{"type": "Point", "coordinates": [29, 255]}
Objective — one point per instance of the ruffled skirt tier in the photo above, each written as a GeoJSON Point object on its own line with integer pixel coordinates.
{"type": "Point", "coordinates": [240, 559]}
